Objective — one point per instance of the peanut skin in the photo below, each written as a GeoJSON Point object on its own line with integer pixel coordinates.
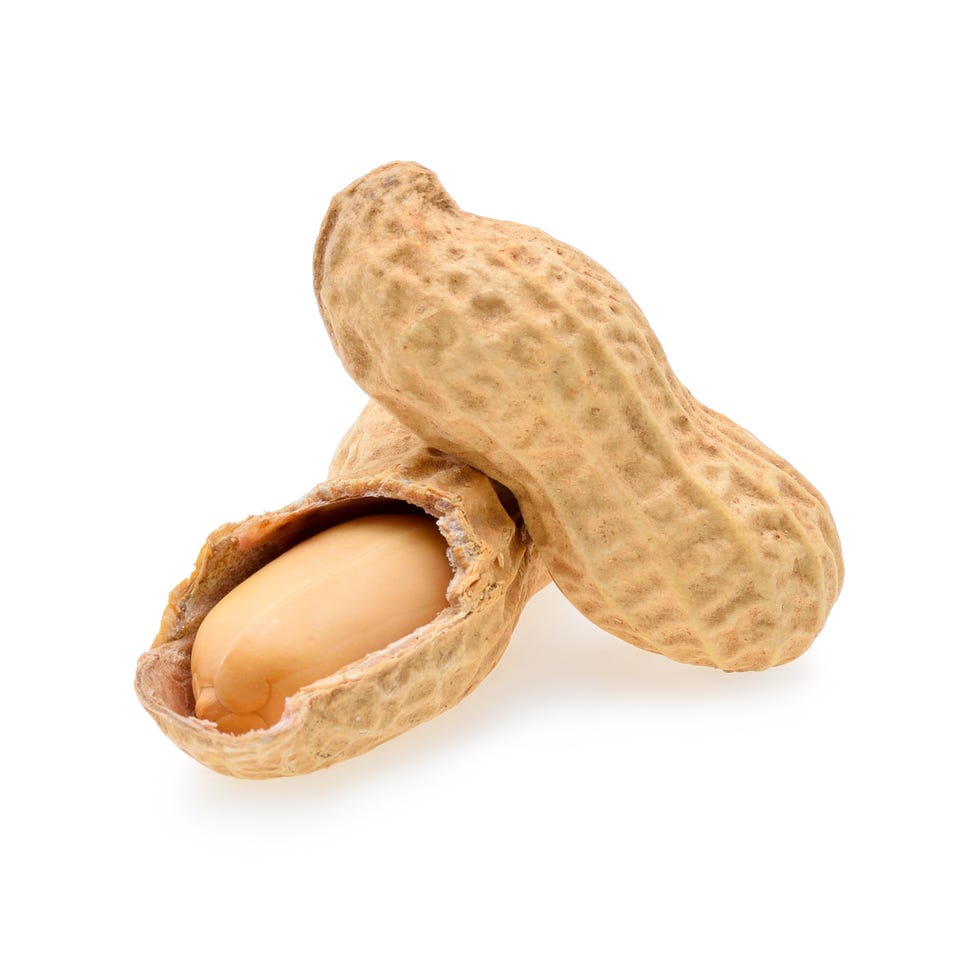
{"type": "Point", "coordinates": [664, 522]}
{"type": "Point", "coordinates": [328, 601]}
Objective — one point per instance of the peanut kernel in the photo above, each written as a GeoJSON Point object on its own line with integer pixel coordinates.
{"type": "Point", "coordinates": [332, 599]}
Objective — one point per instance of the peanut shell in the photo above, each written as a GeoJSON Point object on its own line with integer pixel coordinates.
{"type": "Point", "coordinates": [379, 465]}
{"type": "Point", "coordinates": [664, 522]}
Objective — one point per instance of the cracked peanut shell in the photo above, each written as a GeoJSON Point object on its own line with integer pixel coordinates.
{"type": "Point", "coordinates": [380, 466]}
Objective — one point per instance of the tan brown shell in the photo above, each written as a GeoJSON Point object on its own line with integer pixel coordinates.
{"type": "Point", "coordinates": [379, 466]}
{"type": "Point", "coordinates": [662, 521]}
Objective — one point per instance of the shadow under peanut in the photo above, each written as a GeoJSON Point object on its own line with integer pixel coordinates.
{"type": "Point", "coordinates": [556, 654]}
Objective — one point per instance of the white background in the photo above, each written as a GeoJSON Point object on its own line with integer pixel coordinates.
{"type": "Point", "coordinates": [789, 190]}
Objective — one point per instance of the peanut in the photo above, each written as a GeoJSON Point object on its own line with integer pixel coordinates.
{"type": "Point", "coordinates": [325, 603]}
{"type": "Point", "coordinates": [662, 521]}
{"type": "Point", "coordinates": [379, 468]}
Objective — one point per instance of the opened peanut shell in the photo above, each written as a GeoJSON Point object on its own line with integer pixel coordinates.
{"type": "Point", "coordinates": [380, 467]}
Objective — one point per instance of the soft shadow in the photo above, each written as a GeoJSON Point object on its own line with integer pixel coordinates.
{"type": "Point", "coordinates": [556, 654]}
{"type": "Point", "coordinates": [364, 775]}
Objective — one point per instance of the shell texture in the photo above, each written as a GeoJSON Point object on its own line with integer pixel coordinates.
{"type": "Point", "coordinates": [379, 465]}
{"type": "Point", "coordinates": [663, 521]}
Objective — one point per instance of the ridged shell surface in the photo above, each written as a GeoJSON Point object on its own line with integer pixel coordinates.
{"type": "Point", "coordinates": [664, 522]}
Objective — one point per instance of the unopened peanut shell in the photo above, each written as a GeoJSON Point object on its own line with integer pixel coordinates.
{"type": "Point", "coordinates": [664, 522]}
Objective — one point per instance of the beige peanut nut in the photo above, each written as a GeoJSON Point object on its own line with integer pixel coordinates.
{"type": "Point", "coordinates": [663, 521]}
{"type": "Point", "coordinates": [326, 602]}
{"type": "Point", "coordinates": [380, 467]}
